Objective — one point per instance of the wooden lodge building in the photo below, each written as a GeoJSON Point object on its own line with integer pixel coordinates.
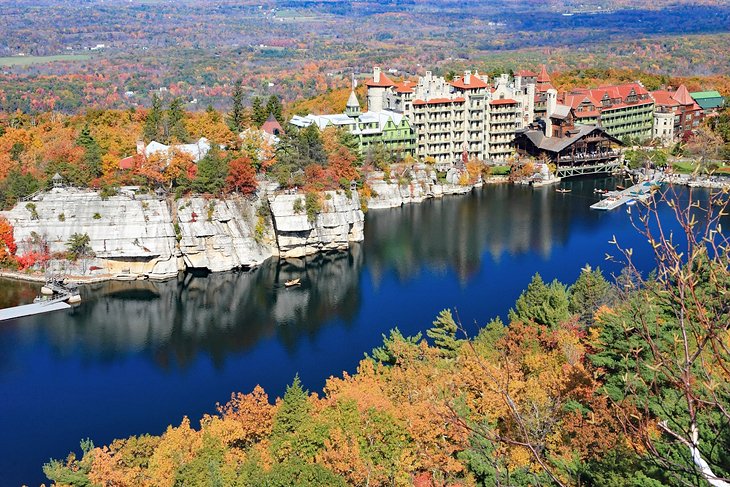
{"type": "Point", "coordinates": [574, 149]}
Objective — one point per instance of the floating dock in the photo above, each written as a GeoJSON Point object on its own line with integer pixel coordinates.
{"type": "Point", "coordinates": [34, 309]}
{"type": "Point", "coordinates": [641, 192]}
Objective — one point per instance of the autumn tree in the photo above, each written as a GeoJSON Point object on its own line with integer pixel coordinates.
{"type": "Point", "coordinates": [663, 349]}
{"type": "Point", "coordinates": [241, 176]}
{"type": "Point", "coordinates": [705, 145]}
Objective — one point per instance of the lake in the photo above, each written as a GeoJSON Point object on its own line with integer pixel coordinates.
{"type": "Point", "coordinates": [137, 356]}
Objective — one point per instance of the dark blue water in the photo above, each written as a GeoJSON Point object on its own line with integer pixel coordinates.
{"type": "Point", "coordinates": [137, 356]}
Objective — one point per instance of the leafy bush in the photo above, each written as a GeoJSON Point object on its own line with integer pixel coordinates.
{"type": "Point", "coordinates": [313, 205]}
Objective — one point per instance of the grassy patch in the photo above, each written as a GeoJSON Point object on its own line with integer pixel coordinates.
{"type": "Point", "coordinates": [500, 170]}
{"type": "Point", "coordinates": [683, 167]}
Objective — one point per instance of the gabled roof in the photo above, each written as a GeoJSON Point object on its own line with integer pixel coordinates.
{"type": "Point", "coordinates": [271, 125]}
{"type": "Point", "coordinates": [698, 95]}
{"type": "Point", "coordinates": [557, 144]}
{"type": "Point", "coordinates": [405, 86]}
{"type": "Point", "coordinates": [526, 73]}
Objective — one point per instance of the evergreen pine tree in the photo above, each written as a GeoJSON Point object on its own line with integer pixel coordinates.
{"type": "Point", "coordinates": [541, 303]}
{"type": "Point", "coordinates": [211, 174]}
{"type": "Point", "coordinates": [290, 419]}
{"type": "Point", "coordinates": [176, 122]}
{"type": "Point", "coordinates": [258, 112]}
{"type": "Point", "coordinates": [153, 121]}
{"type": "Point", "coordinates": [443, 333]}
{"type": "Point", "coordinates": [589, 291]}
{"type": "Point", "coordinates": [237, 117]}
{"type": "Point", "coordinates": [273, 107]}
{"type": "Point", "coordinates": [92, 152]}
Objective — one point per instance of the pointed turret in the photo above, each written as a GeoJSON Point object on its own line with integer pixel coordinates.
{"type": "Point", "coordinates": [543, 77]}
{"type": "Point", "coordinates": [683, 96]}
{"type": "Point", "coordinates": [352, 109]}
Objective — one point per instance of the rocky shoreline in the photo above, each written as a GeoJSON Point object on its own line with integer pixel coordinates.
{"type": "Point", "coordinates": [143, 236]}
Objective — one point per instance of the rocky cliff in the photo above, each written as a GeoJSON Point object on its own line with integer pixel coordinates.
{"type": "Point", "coordinates": [339, 222]}
{"type": "Point", "coordinates": [126, 234]}
{"type": "Point", "coordinates": [414, 185]}
{"type": "Point", "coordinates": [141, 234]}
{"type": "Point", "coordinates": [220, 235]}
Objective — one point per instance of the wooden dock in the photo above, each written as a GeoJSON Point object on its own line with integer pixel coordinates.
{"type": "Point", "coordinates": [640, 191]}
{"type": "Point", "coordinates": [34, 309]}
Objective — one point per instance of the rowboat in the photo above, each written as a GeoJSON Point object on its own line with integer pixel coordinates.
{"type": "Point", "coordinates": [293, 282]}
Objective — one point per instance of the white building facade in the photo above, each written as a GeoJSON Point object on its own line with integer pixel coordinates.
{"type": "Point", "coordinates": [466, 116]}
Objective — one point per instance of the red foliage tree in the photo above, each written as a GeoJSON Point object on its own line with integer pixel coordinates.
{"type": "Point", "coordinates": [241, 176]}
{"type": "Point", "coordinates": [7, 240]}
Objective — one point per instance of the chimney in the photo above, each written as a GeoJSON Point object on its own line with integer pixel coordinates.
{"type": "Point", "coordinates": [140, 147]}
{"type": "Point", "coordinates": [552, 101]}
{"type": "Point", "coordinates": [376, 74]}
{"type": "Point", "coordinates": [467, 77]}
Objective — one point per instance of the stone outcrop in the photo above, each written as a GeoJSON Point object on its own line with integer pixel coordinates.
{"type": "Point", "coordinates": [224, 234]}
{"type": "Point", "coordinates": [340, 222]}
{"type": "Point", "coordinates": [417, 184]}
{"type": "Point", "coordinates": [130, 235]}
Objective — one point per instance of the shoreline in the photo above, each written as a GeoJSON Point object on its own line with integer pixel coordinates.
{"type": "Point", "coordinates": [81, 279]}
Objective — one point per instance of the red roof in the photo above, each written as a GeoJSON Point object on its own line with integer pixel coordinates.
{"type": "Point", "coordinates": [503, 101]}
{"type": "Point", "coordinates": [525, 73]}
{"type": "Point", "coordinates": [664, 99]}
{"type": "Point", "coordinates": [543, 77]}
{"type": "Point", "coordinates": [384, 82]}
{"type": "Point", "coordinates": [683, 96]}
{"type": "Point", "coordinates": [404, 86]}
{"type": "Point", "coordinates": [127, 162]}
{"type": "Point", "coordinates": [272, 126]}
{"type": "Point", "coordinates": [474, 83]}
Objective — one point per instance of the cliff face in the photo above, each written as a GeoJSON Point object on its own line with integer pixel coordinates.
{"type": "Point", "coordinates": [124, 233]}
{"type": "Point", "coordinates": [421, 183]}
{"type": "Point", "coordinates": [224, 234]}
{"type": "Point", "coordinates": [340, 222]}
{"type": "Point", "coordinates": [136, 235]}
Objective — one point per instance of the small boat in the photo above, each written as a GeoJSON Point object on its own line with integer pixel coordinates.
{"type": "Point", "coordinates": [630, 202]}
{"type": "Point", "coordinates": [293, 282]}
{"type": "Point", "coordinates": [619, 187]}
{"type": "Point", "coordinates": [600, 191]}
{"type": "Point", "coordinates": [126, 277]}
{"type": "Point", "coordinates": [563, 190]}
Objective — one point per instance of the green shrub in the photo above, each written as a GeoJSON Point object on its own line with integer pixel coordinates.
{"type": "Point", "coordinates": [298, 206]}
{"type": "Point", "coordinates": [313, 205]}
{"type": "Point", "coordinates": [61, 217]}
{"type": "Point", "coordinates": [97, 216]}
{"type": "Point", "coordinates": [33, 211]}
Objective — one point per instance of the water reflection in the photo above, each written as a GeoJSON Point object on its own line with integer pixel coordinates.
{"type": "Point", "coordinates": [217, 314]}
{"type": "Point", "coordinates": [457, 233]}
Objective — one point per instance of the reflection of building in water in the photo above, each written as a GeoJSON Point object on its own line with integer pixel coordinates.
{"type": "Point", "coordinates": [218, 314]}
{"type": "Point", "coordinates": [454, 233]}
